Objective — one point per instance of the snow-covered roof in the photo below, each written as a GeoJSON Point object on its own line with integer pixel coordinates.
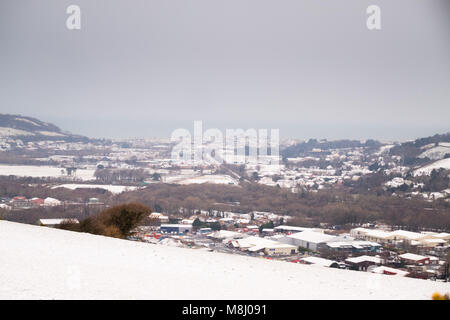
{"type": "Point", "coordinates": [311, 236]}
{"type": "Point", "coordinates": [50, 222]}
{"type": "Point", "coordinates": [407, 234]}
{"type": "Point", "coordinates": [384, 269]}
{"type": "Point", "coordinates": [361, 259]}
{"type": "Point", "coordinates": [223, 234]}
{"type": "Point", "coordinates": [412, 256]}
{"type": "Point", "coordinates": [254, 241]}
{"type": "Point", "coordinates": [354, 243]}
{"type": "Point", "coordinates": [319, 261]}
{"type": "Point", "coordinates": [176, 225]}
{"type": "Point", "coordinates": [100, 259]}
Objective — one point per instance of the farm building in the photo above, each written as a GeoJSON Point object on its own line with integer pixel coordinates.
{"type": "Point", "coordinates": [362, 262]}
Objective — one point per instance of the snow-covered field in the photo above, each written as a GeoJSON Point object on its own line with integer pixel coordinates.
{"type": "Point", "coordinates": [43, 263]}
{"type": "Point", "coordinates": [437, 152]}
{"type": "Point", "coordinates": [9, 132]}
{"type": "Point", "coordinates": [215, 179]}
{"type": "Point", "coordinates": [444, 163]}
{"type": "Point", "coordinates": [44, 171]}
{"type": "Point", "coordinates": [111, 188]}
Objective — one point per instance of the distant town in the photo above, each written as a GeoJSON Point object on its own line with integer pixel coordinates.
{"type": "Point", "coordinates": [379, 207]}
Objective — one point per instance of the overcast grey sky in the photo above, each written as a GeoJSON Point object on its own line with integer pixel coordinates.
{"type": "Point", "coordinates": [143, 68]}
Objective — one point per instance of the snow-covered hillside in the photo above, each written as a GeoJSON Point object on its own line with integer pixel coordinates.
{"type": "Point", "coordinates": [43, 263]}
{"type": "Point", "coordinates": [444, 163]}
{"type": "Point", "coordinates": [32, 129]}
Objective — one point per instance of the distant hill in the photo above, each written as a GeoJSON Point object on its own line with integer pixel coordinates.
{"type": "Point", "coordinates": [306, 148]}
{"type": "Point", "coordinates": [32, 129]}
{"type": "Point", "coordinates": [423, 150]}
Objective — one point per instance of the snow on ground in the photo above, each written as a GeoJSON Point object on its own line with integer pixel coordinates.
{"type": "Point", "coordinates": [216, 179]}
{"type": "Point", "coordinates": [111, 188]}
{"type": "Point", "coordinates": [51, 134]}
{"type": "Point", "coordinates": [385, 149]}
{"type": "Point", "coordinates": [44, 263]}
{"type": "Point", "coordinates": [27, 121]}
{"type": "Point", "coordinates": [444, 163]}
{"type": "Point", "coordinates": [436, 153]}
{"type": "Point", "coordinates": [9, 132]}
{"type": "Point", "coordinates": [44, 171]}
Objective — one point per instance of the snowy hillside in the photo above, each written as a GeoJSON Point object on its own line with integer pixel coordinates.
{"type": "Point", "coordinates": [31, 129]}
{"type": "Point", "coordinates": [42, 263]}
{"type": "Point", "coordinates": [444, 163]}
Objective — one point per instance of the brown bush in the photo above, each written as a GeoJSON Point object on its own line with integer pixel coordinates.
{"type": "Point", "coordinates": [115, 222]}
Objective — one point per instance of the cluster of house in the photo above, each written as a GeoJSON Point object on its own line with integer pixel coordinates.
{"type": "Point", "coordinates": [362, 249]}
{"type": "Point", "coordinates": [418, 239]}
{"type": "Point", "coordinates": [20, 202]}
{"type": "Point", "coordinates": [226, 218]}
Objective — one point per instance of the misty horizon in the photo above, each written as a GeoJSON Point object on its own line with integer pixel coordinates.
{"type": "Point", "coordinates": [311, 70]}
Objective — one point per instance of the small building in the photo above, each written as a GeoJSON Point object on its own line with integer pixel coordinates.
{"type": "Point", "coordinates": [204, 230]}
{"type": "Point", "coordinates": [93, 200]}
{"type": "Point", "coordinates": [411, 258]}
{"type": "Point", "coordinates": [320, 261]}
{"type": "Point", "coordinates": [361, 263]}
{"type": "Point", "coordinates": [255, 244]}
{"type": "Point", "coordinates": [389, 271]}
{"type": "Point", "coordinates": [5, 206]}
{"type": "Point", "coordinates": [267, 231]}
{"type": "Point", "coordinates": [225, 234]}
{"type": "Point", "coordinates": [20, 203]}
{"type": "Point", "coordinates": [175, 228]}
{"type": "Point", "coordinates": [36, 202]}
{"type": "Point", "coordinates": [353, 246]}
{"type": "Point", "coordinates": [159, 216]}
{"type": "Point", "coordinates": [279, 249]}
{"type": "Point", "coordinates": [51, 202]}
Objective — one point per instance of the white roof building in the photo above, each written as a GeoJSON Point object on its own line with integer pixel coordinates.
{"type": "Point", "coordinates": [319, 261]}
{"type": "Point", "coordinates": [307, 239]}
{"type": "Point", "coordinates": [413, 257]}
{"type": "Point", "coordinates": [51, 202]}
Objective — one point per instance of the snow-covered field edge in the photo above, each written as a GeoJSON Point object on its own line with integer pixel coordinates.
{"type": "Point", "coordinates": [43, 263]}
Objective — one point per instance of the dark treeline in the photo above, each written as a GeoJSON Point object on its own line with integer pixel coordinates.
{"type": "Point", "coordinates": [121, 175]}
{"type": "Point", "coordinates": [31, 216]}
{"type": "Point", "coordinates": [42, 188]}
{"type": "Point", "coordinates": [337, 207]}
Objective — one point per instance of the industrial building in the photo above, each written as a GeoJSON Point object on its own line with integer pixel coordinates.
{"type": "Point", "coordinates": [175, 228]}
